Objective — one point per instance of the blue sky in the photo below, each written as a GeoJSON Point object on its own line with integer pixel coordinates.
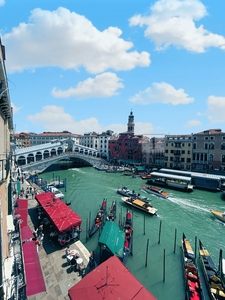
{"type": "Point", "coordinates": [84, 65]}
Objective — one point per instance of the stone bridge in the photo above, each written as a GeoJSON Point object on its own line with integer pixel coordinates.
{"type": "Point", "coordinates": [39, 158]}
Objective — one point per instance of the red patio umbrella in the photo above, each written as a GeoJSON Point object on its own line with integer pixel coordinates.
{"type": "Point", "coordinates": [111, 280]}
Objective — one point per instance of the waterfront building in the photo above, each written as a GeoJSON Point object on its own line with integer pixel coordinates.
{"type": "Point", "coordinates": [99, 142]}
{"type": "Point", "coordinates": [209, 151]}
{"type": "Point", "coordinates": [126, 147]}
{"type": "Point", "coordinates": [22, 139]}
{"type": "Point", "coordinates": [29, 139]}
{"type": "Point", "coordinates": [178, 151]}
{"type": "Point", "coordinates": [6, 221]}
{"type": "Point", "coordinates": [152, 151]}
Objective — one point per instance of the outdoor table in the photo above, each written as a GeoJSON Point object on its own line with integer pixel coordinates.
{"type": "Point", "coordinates": [79, 261]}
{"type": "Point", "coordinates": [74, 253]}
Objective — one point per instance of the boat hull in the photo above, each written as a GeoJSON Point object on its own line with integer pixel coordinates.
{"type": "Point", "coordinates": [154, 192]}
{"type": "Point", "coordinates": [213, 279]}
{"type": "Point", "coordinates": [191, 273]}
{"type": "Point", "coordinates": [219, 215]}
{"type": "Point", "coordinates": [152, 211]}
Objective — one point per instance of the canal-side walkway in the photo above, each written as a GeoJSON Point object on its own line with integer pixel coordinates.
{"type": "Point", "coordinates": [58, 276]}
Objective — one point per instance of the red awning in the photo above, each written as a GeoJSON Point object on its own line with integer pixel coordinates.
{"type": "Point", "coordinates": [22, 211]}
{"type": "Point", "coordinates": [58, 212]}
{"type": "Point", "coordinates": [34, 278]}
{"type": "Point", "coordinates": [111, 280]}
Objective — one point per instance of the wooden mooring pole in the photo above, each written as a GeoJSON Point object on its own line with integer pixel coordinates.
{"type": "Point", "coordinates": [87, 229]}
{"type": "Point", "coordinates": [144, 223]}
{"type": "Point", "coordinates": [160, 227]}
{"type": "Point", "coordinates": [146, 258]}
{"type": "Point", "coordinates": [175, 241]}
{"type": "Point", "coordinates": [164, 265]}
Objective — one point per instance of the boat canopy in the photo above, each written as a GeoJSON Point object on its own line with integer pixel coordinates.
{"type": "Point", "coordinates": [113, 238]}
{"type": "Point", "coordinates": [171, 176]}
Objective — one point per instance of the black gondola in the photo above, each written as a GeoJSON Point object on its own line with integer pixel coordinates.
{"type": "Point", "coordinates": [111, 216]}
{"type": "Point", "coordinates": [213, 278]}
{"type": "Point", "coordinates": [98, 219]}
{"type": "Point", "coordinates": [191, 273]}
{"type": "Point", "coordinates": [128, 228]}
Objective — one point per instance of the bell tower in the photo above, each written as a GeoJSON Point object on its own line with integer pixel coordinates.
{"type": "Point", "coordinates": [130, 125]}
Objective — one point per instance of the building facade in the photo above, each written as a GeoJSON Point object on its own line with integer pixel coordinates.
{"type": "Point", "coordinates": [153, 152]}
{"type": "Point", "coordinates": [178, 152]}
{"type": "Point", "coordinates": [209, 151]}
{"type": "Point", "coordinates": [126, 147]}
{"type": "Point", "coordinates": [99, 142]}
{"type": "Point", "coordinates": [6, 134]}
{"type": "Point", "coordinates": [29, 139]}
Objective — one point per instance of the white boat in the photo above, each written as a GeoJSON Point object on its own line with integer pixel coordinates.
{"type": "Point", "coordinates": [218, 214]}
{"type": "Point", "coordinates": [57, 192]}
{"type": "Point", "coordinates": [141, 205]}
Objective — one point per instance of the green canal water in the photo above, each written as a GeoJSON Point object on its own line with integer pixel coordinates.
{"type": "Point", "coordinates": [181, 212]}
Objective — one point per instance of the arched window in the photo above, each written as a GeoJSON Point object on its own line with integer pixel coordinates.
{"type": "Point", "coordinates": [210, 158]}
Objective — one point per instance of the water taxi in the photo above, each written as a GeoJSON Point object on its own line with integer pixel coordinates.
{"type": "Point", "coordinates": [218, 214]}
{"type": "Point", "coordinates": [141, 205]}
{"type": "Point", "coordinates": [154, 190]}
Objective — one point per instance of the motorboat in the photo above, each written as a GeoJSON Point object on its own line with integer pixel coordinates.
{"type": "Point", "coordinates": [218, 214]}
{"type": "Point", "coordinates": [154, 190]}
{"type": "Point", "coordinates": [141, 205]}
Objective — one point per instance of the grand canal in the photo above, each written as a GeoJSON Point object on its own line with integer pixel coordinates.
{"type": "Point", "coordinates": [181, 212]}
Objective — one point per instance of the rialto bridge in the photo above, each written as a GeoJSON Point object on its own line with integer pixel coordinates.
{"type": "Point", "coordinates": [40, 157]}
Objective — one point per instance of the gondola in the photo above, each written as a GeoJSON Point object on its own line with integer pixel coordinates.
{"type": "Point", "coordinates": [128, 228]}
{"type": "Point", "coordinates": [98, 219]}
{"type": "Point", "coordinates": [111, 216]}
{"type": "Point", "coordinates": [191, 273]}
{"type": "Point", "coordinates": [213, 277]}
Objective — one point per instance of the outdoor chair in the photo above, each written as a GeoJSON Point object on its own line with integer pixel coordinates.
{"type": "Point", "coordinates": [73, 264]}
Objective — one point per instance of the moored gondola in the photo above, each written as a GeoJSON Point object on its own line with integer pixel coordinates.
{"type": "Point", "coordinates": [128, 229]}
{"type": "Point", "coordinates": [98, 219]}
{"type": "Point", "coordinates": [191, 273]}
{"type": "Point", "coordinates": [213, 278]}
{"type": "Point", "coordinates": [111, 216]}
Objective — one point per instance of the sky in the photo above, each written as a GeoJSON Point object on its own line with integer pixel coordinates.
{"type": "Point", "coordinates": [84, 65]}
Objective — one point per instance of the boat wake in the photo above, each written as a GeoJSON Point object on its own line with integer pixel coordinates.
{"type": "Point", "coordinates": [77, 170]}
{"type": "Point", "coordinates": [186, 204]}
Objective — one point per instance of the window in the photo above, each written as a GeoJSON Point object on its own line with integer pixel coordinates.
{"type": "Point", "coordinates": [183, 151]}
{"type": "Point", "coordinates": [223, 159]}
{"type": "Point", "coordinates": [223, 146]}
{"type": "Point", "coordinates": [206, 137]}
{"type": "Point", "coordinates": [211, 146]}
{"type": "Point", "coordinates": [206, 146]}
{"type": "Point", "coordinates": [194, 146]}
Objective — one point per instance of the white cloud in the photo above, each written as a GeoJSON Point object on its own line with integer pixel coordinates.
{"type": "Point", "coordinates": [161, 93]}
{"type": "Point", "coordinates": [173, 22]}
{"type": "Point", "coordinates": [15, 108]}
{"type": "Point", "coordinates": [216, 108]}
{"type": "Point", "coordinates": [103, 85]}
{"type": "Point", "coordinates": [65, 39]}
{"type": "Point", "coordinates": [54, 118]}
{"type": "Point", "coordinates": [193, 123]}
{"type": "Point", "coordinates": [2, 2]}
